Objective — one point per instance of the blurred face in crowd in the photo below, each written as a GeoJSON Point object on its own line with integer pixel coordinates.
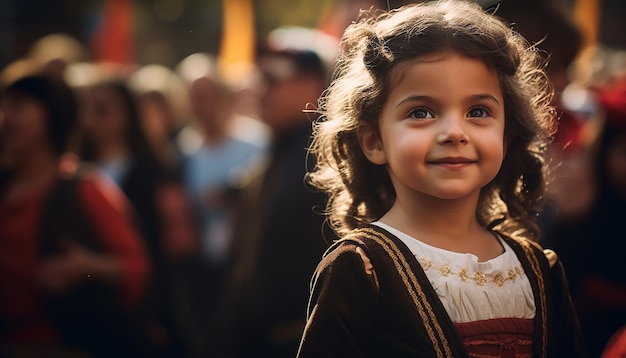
{"type": "Point", "coordinates": [23, 126]}
{"type": "Point", "coordinates": [287, 93]}
{"type": "Point", "coordinates": [106, 119]}
{"type": "Point", "coordinates": [573, 174]}
{"type": "Point", "coordinates": [211, 105]}
{"type": "Point", "coordinates": [156, 117]}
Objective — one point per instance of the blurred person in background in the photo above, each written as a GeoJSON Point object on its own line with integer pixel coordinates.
{"type": "Point", "coordinates": [280, 236]}
{"type": "Point", "coordinates": [161, 128]}
{"type": "Point", "coordinates": [72, 266]}
{"type": "Point", "coordinates": [599, 290]}
{"type": "Point", "coordinates": [160, 125]}
{"type": "Point", "coordinates": [115, 141]}
{"type": "Point", "coordinates": [212, 174]}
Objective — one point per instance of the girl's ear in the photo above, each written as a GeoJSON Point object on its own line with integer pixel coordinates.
{"type": "Point", "coordinates": [372, 146]}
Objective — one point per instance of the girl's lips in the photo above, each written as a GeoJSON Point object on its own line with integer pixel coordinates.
{"type": "Point", "coordinates": [452, 163]}
{"type": "Point", "coordinates": [452, 160]}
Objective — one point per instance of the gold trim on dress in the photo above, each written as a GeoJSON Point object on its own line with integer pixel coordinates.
{"type": "Point", "coordinates": [412, 285]}
{"type": "Point", "coordinates": [534, 264]}
{"type": "Point", "coordinates": [551, 256]}
{"type": "Point", "coordinates": [479, 278]}
{"type": "Point", "coordinates": [414, 288]}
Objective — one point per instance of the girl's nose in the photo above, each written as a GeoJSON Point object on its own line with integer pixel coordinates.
{"type": "Point", "coordinates": [453, 131]}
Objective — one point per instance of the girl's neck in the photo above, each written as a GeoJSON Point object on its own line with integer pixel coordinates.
{"type": "Point", "coordinates": [435, 216]}
{"type": "Point", "coordinates": [448, 224]}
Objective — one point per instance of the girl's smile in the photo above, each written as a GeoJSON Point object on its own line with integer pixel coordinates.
{"type": "Point", "coordinates": [452, 163]}
{"type": "Point", "coordinates": [441, 131]}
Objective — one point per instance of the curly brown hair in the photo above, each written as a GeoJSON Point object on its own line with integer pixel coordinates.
{"type": "Point", "coordinates": [373, 48]}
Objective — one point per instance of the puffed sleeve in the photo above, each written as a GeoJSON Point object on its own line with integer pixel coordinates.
{"type": "Point", "coordinates": [109, 217]}
{"type": "Point", "coordinates": [342, 304]}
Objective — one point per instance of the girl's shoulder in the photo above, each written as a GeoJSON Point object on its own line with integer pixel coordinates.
{"type": "Point", "coordinates": [367, 248]}
{"type": "Point", "coordinates": [345, 265]}
{"type": "Point", "coordinates": [530, 249]}
{"type": "Point", "coordinates": [369, 240]}
{"type": "Point", "coordinates": [352, 248]}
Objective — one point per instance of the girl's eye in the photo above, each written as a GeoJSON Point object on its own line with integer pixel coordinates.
{"type": "Point", "coordinates": [420, 113]}
{"type": "Point", "coordinates": [479, 112]}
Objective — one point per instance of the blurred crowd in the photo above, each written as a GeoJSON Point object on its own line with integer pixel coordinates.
{"type": "Point", "coordinates": [148, 211]}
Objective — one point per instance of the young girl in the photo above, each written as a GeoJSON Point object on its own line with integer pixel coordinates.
{"type": "Point", "coordinates": [430, 149]}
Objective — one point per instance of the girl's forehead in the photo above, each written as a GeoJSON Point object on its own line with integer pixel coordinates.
{"type": "Point", "coordinates": [398, 71]}
{"type": "Point", "coordinates": [447, 78]}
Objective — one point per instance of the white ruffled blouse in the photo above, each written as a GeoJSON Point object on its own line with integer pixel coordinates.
{"type": "Point", "coordinates": [471, 290]}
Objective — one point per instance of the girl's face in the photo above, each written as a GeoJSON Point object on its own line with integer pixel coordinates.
{"type": "Point", "coordinates": [441, 131]}
{"type": "Point", "coordinates": [106, 118]}
{"type": "Point", "coordinates": [24, 124]}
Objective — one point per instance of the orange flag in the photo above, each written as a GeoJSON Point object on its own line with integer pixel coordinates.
{"type": "Point", "coordinates": [237, 46]}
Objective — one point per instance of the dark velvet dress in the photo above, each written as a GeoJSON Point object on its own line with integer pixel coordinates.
{"type": "Point", "coordinates": [391, 309]}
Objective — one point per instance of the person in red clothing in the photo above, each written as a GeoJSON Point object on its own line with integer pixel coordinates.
{"type": "Point", "coordinates": [38, 116]}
